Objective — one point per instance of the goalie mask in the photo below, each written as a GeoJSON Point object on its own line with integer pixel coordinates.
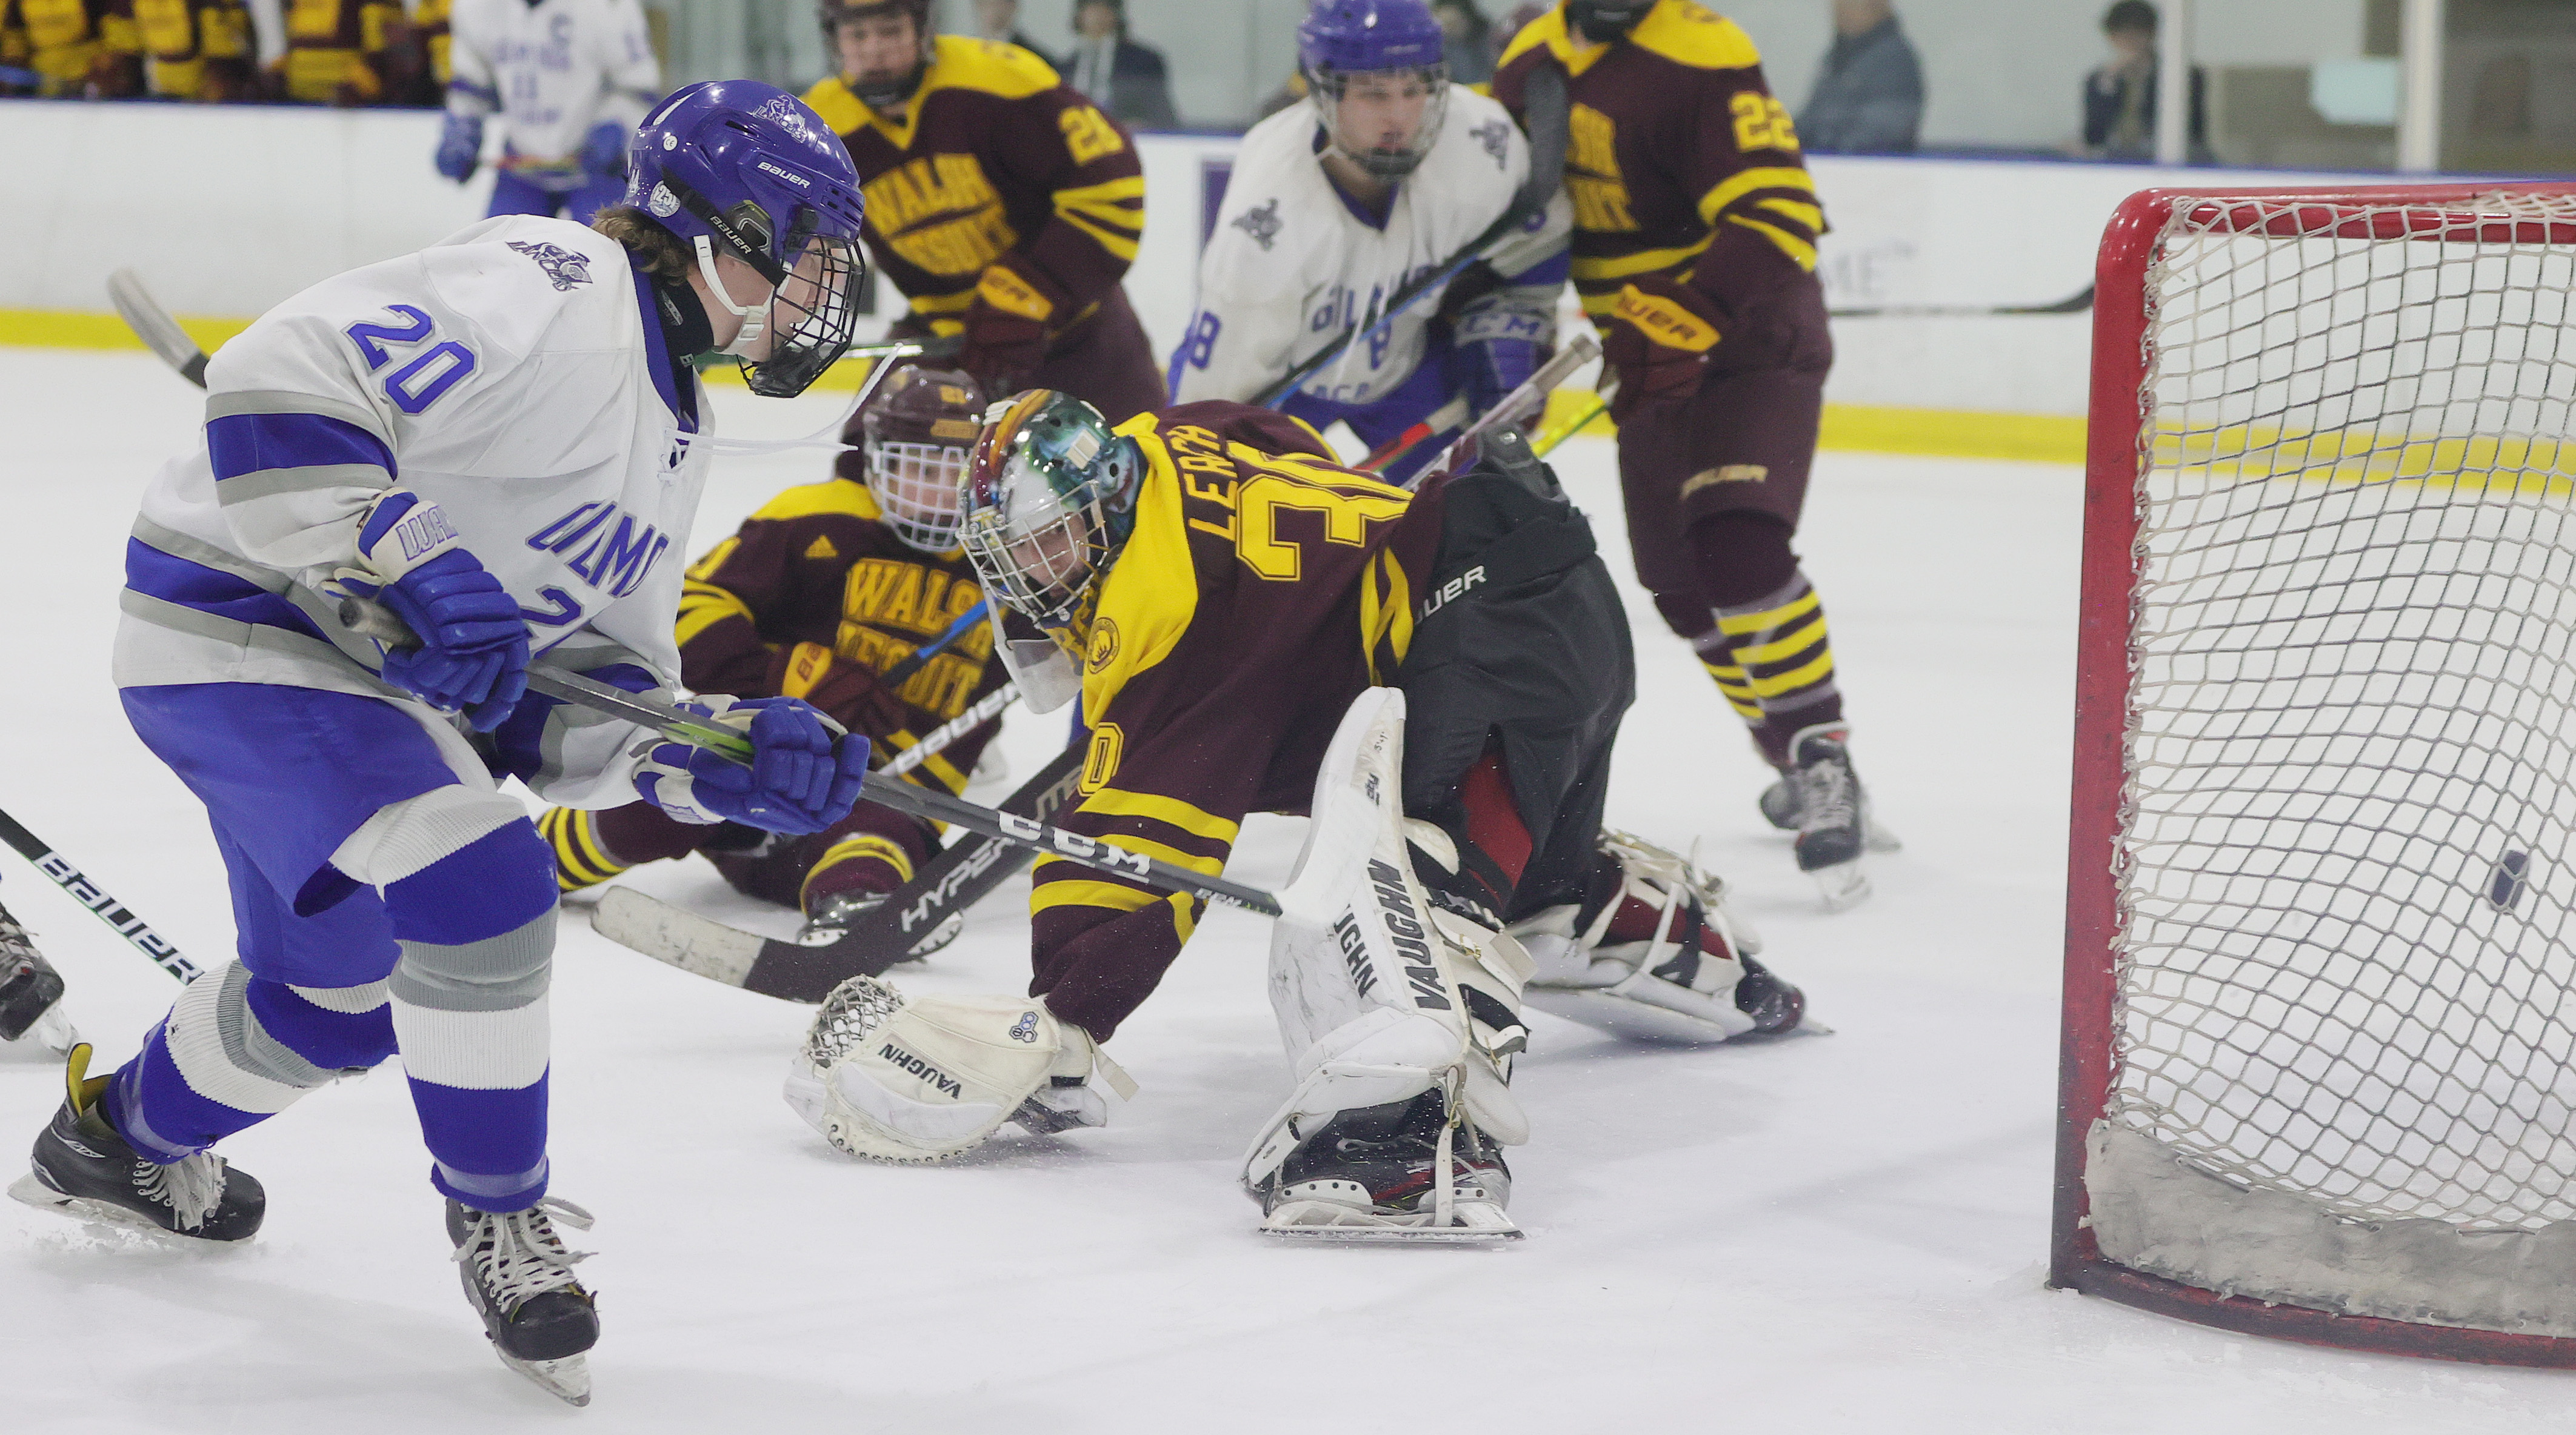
{"type": "Point", "coordinates": [743, 168]}
{"type": "Point", "coordinates": [913, 437]}
{"type": "Point", "coordinates": [1049, 499]}
{"type": "Point", "coordinates": [1377, 73]}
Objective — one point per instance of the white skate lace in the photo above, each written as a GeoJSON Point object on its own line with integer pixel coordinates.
{"type": "Point", "coordinates": [16, 944]}
{"type": "Point", "coordinates": [191, 1187]}
{"type": "Point", "coordinates": [1828, 797]}
{"type": "Point", "coordinates": [517, 1255]}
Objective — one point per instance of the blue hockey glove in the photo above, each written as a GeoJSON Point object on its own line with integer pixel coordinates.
{"type": "Point", "coordinates": [473, 655]}
{"type": "Point", "coordinates": [603, 152]}
{"type": "Point", "coordinates": [460, 145]}
{"type": "Point", "coordinates": [798, 783]}
{"type": "Point", "coordinates": [1498, 349]}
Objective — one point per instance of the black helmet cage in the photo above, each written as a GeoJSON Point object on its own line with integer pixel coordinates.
{"type": "Point", "coordinates": [810, 335]}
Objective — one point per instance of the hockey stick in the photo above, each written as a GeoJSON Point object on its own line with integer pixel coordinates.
{"type": "Point", "coordinates": [1530, 398]}
{"type": "Point", "coordinates": [2074, 304]}
{"type": "Point", "coordinates": [89, 894]}
{"type": "Point", "coordinates": [376, 621]}
{"type": "Point", "coordinates": [1547, 108]}
{"type": "Point", "coordinates": [153, 325]}
{"type": "Point", "coordinates": [911, 922]}
{"type": "Point", "coordinates": [937, 739]}
{"type": "Point", "coordinates": [920, 657]}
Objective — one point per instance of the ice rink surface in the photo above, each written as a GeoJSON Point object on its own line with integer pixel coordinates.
{"type": "Point", "coordinates": [1842, 1233]}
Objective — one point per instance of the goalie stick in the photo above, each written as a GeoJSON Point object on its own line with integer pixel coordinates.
{"type": "Point", "coordinates": [1548, 108]}
{"type": "Point", "coordinates": [89, 894]}
{"type": "Point", "coordinates": [1521, 403]}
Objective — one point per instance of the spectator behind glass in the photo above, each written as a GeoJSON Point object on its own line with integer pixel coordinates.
{"type": "Point", "coordinates": [999, 22]}
{"type": "Point", "coordinates": [1467, 41]}
{"type": "Point", "coordinates": [2120, 97]}
{"type": "Point", "coordinates": [1120, 76]}
{"type": "Point", "coordinates": [1869, 94]}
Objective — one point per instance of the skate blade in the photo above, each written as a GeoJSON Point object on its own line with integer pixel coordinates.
{"type": "Point", "coordinates": [1844, 885]}
{"type": "Point", "coordinates": [30, 1191]}
{"type": "Point", "coordinates": [566, 1378]}
{"type": "Point", "coordinates": [1876, 837]}
{"type": "Point", "coordinates": [1477, 1223]}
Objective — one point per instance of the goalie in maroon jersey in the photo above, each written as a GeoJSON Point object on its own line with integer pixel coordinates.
{"type": "Point", "coordinates": [1695, 229]}
{"type": "Point", "coordinates": [818, 596]}
{"type": "Point", "coordinates": [1254, 628]}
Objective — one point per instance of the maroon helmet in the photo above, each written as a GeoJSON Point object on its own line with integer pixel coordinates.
{"type": "Point", "coordinates": [913, 439]}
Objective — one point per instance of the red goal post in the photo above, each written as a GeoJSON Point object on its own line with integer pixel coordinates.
{"type": "Point", "coordinates": [2320, 984]}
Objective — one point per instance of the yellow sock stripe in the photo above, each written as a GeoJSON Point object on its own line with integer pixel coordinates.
{"type": "Point", "coordinates": [1185, 915]}
{"type": "Point", "coordinates": [865, 844]}
{"type": "Point", "coordinates": [1737, 625]}
{"type": "Point", "coordinates": [578, 861]}
{"type": "Point", "coordinates": [1788, 645]}
{"type": "Point", "coordinates": [1737, 689]}
{"type": "Point", "coordinates": [1791, 681]}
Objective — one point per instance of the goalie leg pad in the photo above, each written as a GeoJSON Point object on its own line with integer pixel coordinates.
{"type": "Point", "coordinates": [891, 1078]}
{"type": "Point", "coordinates": [1681, 980]}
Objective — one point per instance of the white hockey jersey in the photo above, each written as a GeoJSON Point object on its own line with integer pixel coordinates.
{"type": "Point", "coordinates": [1290, 266]}
{"type": "Point", "coordinates": [509, 374]}
{"type": "Point", "coordinates": [553, 68]}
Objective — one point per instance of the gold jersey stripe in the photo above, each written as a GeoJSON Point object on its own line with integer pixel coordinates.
{"type": "Point", "coordinates": [1046, 896]}
{"type": "Point", "coordinates": [1118, 242]}
{"type": "Point", "coordinates": [1644, 261]}
{"type": "Point", "coordinates": [1185, 915]}
{"type": "Point", "coordinates": [703, 605]}
{"type": "Point", "coordinates": [1799, 250]}
{"type": "Point", "coordinates": [1744, 182]}
{"type": "Point", "coordinates": [1170, 811]}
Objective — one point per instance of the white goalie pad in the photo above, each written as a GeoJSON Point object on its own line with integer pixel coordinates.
{"type": "Point", "coordinates": [921, 1079]}
{"type": "Point", "coordinates": [1661, 988]}
{"type": "Point", "coordinates": [1379, 996]}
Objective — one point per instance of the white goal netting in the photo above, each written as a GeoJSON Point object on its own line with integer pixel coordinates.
{"type": "Point", "coordinates": [2345, 1028]}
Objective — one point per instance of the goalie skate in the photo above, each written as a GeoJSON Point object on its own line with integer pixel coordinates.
{"type": "Point", "coordinates": [1402, 1172]}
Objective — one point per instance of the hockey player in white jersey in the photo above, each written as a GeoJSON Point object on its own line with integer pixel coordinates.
{"type": "Point", "coordinates": [1390, 173]}
{"type": "Point", "coordinates": [570, 80]}
{"type": "Point", "coordinates": [499, 438]}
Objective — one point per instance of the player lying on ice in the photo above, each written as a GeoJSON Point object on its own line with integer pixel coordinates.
{"type": "Point", "coordinates": [495, 438]}
{"type": "Point", "coordinates": [1390, 173]}
{"type": "Point", "coordinates": [1232, 600]}
{"type": "Point", "coordinates": [819, 596]}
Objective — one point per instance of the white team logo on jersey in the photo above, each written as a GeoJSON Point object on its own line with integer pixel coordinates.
{"type": "Point", "coordinates": [564, 267]}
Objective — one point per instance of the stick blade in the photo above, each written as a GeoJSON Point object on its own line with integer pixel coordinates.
{"type": "Point", "coordinates": [153, 325]}
{"type": "Point", "coordinates": [676, 935]}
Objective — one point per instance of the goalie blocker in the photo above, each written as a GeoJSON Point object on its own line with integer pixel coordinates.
{"type": "Point", "coordinates": [1457, 803]}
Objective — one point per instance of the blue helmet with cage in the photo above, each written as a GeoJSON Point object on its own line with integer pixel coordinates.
{"type": "Point", "coordinates": [742, 168]}
{"type": "Point", "coordinates": [1341, 39]}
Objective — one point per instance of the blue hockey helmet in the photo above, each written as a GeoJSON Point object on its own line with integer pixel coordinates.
{"type": "Point", "coordinates": [747, 169]}
{"type": "Point", "coordinates": [1344, 38]}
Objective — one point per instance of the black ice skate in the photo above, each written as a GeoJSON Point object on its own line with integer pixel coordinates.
{"type": "Point", "coordinates": [84, 1169]}
{"type": "Point", "coordinates": [1833, 816]}
{"type": "Point", "coordinates": [1780, 808]}
{"type": "Point", "coordinates": [31, 991]}
{"type": "Point", "coordinates": [519, 1277]}
{"type": "Point", "coordinates": [1375, 1174]}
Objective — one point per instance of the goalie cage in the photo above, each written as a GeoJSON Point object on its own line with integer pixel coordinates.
{"type": "Point", "coordinates": [2320, 1008]}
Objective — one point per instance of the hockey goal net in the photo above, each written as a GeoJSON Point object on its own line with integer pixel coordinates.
{"type": "Point", "coordinates": [2319, 1066]}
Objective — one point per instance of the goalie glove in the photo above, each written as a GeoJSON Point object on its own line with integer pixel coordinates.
{"type": "Point", "coordinates": [922, 1079]}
